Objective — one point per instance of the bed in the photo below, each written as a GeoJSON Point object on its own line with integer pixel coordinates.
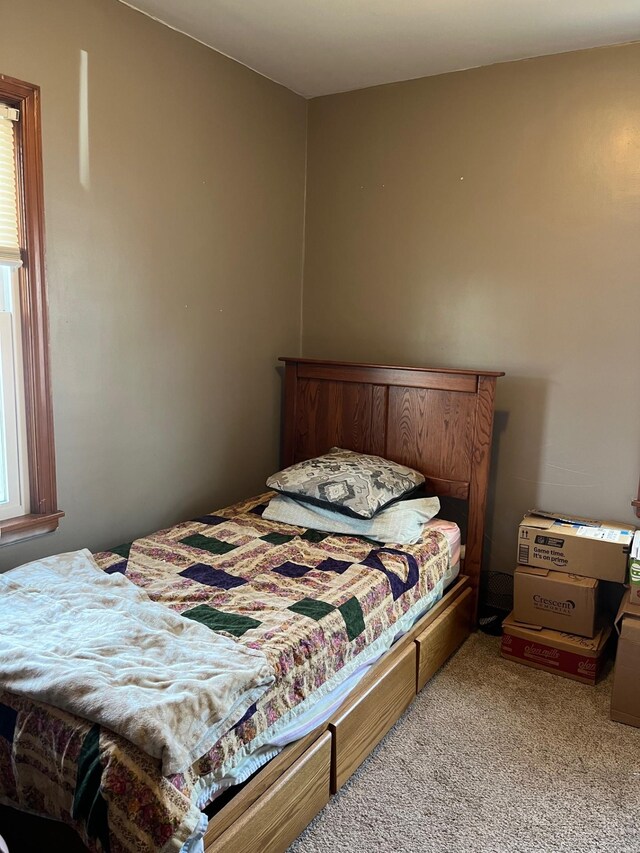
{"type": "Point", "coordinates": [437, 421]}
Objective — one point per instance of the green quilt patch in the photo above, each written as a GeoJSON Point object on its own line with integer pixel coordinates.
{"type": "Point", "coordinates": [122, 550]}
{"type": "Point", "coordinates": [353, 617]}
{"type": "Point", "coordinates": [351, 613]}
{"type": "Point", "coordinates": [312, 607]}
{"type": "Point", "coordinates": [217, 620]}
{"type": "Point", "coordinates": [89, 806]}
{"type": "Point", "coordinates": [277, 538]}
{"type": "Point", "coordinates": [208, 543]}
{"type": "Point", "coordinates": [314, 535]}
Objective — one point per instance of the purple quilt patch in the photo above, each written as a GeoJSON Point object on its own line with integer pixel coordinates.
{"type": "Point", "coordinates": [398, 586]}
{"type": "Point", "coordinates": [247, 715]}
{"type": "Point", "coordinates": [8, 717]}
{"type": "Point", "coordinates": [212, 577]}
{"type": "Point", "coordinates": [258, 510]}
{"type": "Point", "coordinates": [292, 570]}
{"type": "Point", "coordinates": [331, 565]}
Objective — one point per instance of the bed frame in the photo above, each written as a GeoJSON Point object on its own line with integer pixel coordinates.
{"type": "Point", "coordinates": [439, 422]}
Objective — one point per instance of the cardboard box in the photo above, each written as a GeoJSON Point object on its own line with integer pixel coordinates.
{"type": "Point", "coordinates": [593, 549]}
{"type": "Point", "coordinates": [555, 600]}
{"type": "Point", "coordinates": [567, 655]}
{"type": "Point", "coordinates": [634, 569]}
{"type": "Point", "coordinates": [625, 697]}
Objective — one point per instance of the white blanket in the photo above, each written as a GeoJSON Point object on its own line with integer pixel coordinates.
{"type": "Point", "coordinates": [95, 645]}
{"type": "Point", "coordinates": [402, 523]}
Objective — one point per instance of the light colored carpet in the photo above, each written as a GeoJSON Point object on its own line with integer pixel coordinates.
{"type": "Point", "coordinates": [492, 757]}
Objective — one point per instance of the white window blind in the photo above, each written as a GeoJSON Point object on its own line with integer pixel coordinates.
{"type": "Point", "coordinates": [13, 466]}
{"type": "Point", "coordinates": [9, 241]}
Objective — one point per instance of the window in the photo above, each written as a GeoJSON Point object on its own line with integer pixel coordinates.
{"type": "Point", "coordinates": [14, 484]}
{"type": "Point", "coordinates": [28, 504]}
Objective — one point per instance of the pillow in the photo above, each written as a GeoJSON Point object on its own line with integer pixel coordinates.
{"type": "Point", "coordinates": [347, 482]}
{"type": "Point", "coordinates": [402, 523]}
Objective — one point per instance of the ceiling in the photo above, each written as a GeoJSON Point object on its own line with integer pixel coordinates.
{"type": "Point", "coordinates": [318, 47]}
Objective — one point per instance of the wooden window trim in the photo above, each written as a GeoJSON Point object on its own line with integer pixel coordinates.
{"type": "Point", "coordinates": [44, 516]}
{"type": "Point", "coordinates": [636, 503]}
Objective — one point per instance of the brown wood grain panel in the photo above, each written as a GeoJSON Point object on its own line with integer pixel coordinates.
{"type": "Point", "coordinates": [350, 415]}
{"type": "Point", "coordinates": [283, 811]}
{"type": "Point", "coordinates": [309, 420]}
{"type": "Point", "coordinates": [447, 488]}
{"type": "Point", "coordinates": [483, 429]}
{"type": "Point", "coordinates": [431, 431]}
{"type": "Point", "coordinates": [447, 381]}
{"type": "Point", "coordinates": [332, 414]}
{"type": "Point", "coordinates": [443, 636]}
{"type": "Point", "coordinates": [379, 404]}
{"type": "Point", "coordinates": [369, 713]}
{"type": "Point", "coordinates": [339, 365]}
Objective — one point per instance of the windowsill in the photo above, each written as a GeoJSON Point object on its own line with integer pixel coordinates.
{"type": "Point", "coordinates": [27, 526]}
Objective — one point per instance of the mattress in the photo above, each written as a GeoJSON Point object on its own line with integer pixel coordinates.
{"type": "Point", "coordinates": [456, 550]}
{"type": "Point", "coordinates": [323, 608]}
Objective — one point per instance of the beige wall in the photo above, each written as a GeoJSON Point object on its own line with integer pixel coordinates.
{"type": "Point", "coordinates": [174, 281]}
{"type": "Point", "coordinates": [491, 218]}
{"type": "Point", "coordinates": [485, 218]}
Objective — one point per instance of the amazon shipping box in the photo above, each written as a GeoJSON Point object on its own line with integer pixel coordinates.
{"type": "Point", "coordinates": [581, 546]}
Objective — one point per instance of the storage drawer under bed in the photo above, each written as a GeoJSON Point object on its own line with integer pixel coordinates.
{"type": "Point", "coordinates": [442, 637]}
{"type": "Point", "coordinates": [369, 713]}
{"type": "Point", "coordinates": [284, 809]}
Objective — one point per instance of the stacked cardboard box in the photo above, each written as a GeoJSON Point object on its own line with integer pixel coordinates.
{"type": "Point", "coordinates": [557, 600]}
{"type": "Point", "coordinates": [557, 622]}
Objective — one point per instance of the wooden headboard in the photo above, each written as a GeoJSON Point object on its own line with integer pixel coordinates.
{"type": "Point", "coordinates": [434, 420]}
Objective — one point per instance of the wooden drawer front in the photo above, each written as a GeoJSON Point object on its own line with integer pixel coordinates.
{"type": "Point", "coordinates": [285, 809]}
{"type": "Point", "coordinates": [445, 602]}
{"type": "Point", "coordinates": [369, 714]}
{"type": "Point", "coordinates": [443, 636]}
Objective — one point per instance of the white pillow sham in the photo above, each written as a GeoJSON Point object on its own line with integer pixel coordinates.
{"type": "Point", "coordinates": [401, 523]}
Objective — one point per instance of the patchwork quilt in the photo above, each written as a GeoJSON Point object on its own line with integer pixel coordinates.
{"type": "Point", "coordinates": [311, 601]}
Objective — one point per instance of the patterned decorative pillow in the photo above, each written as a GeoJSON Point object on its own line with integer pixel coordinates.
{"type": "Point", "coordinates": [347, 482]}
